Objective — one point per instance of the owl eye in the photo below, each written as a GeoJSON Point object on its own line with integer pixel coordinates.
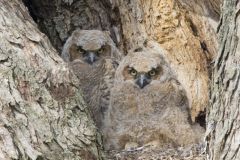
{"type": "Point", "coordinates": [133, 72]}
{"type": "Point", "coordinates": [100, 50]}
{"type": "Point", "coordinates": [152, 73]}
{"type": "Point", "coordinates": [81, 50]}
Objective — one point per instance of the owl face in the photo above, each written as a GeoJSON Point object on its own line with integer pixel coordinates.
{"type": "Point", "coordinates": [89, 46]}
{"type": "Point", "coordinates": [142, 77]}
{"type": "Point", "coordinates": [89, 56]}
{"type": "Point", "coordinates": [142, 69]}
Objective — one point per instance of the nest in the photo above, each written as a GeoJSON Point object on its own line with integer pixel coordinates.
{"type": "Point", "coordinates": [193, 152]}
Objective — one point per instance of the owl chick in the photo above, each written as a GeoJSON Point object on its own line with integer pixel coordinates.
{"type": "Point", "coordinates": [92, 55]}
{"type": "Point", "coordinates": [148, 105]}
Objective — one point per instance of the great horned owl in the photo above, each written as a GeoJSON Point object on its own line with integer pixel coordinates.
{"type": "Point", "coordinates": [148, 105]}
{"type": "Point", "coordinates": [92, 55]}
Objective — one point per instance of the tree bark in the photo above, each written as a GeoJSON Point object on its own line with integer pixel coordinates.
{"type": "Point", "coordinates": [223, 131]}
{"type": "Point", "coordinates": [59, 18]}
{"type": "Point", "coordinates": [42, 114]}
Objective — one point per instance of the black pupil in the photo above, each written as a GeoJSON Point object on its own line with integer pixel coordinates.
{"type": "Point", "coordinates": [132, 71]}
{"type": "Point", "coordinates": [152, 73]}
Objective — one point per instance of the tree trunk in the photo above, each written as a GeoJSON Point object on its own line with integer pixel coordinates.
{"type": "Point", "coordinates": [43, 115]}
{"type": "Point", "coordinates": [42, 112]}
{"type": "Point", "coordinates": [223, 131]}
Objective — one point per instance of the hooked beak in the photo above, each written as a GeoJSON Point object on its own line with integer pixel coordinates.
{"type": "Point", "coordinates": [143, 80]}
{"type": "Point", "coordinates": [91, 57]}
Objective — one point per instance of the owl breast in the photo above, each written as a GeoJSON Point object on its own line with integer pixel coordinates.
{"type": "Point", "coordinates": [95, 82]}
{"type": "Point", "coordinates": [155, 113]}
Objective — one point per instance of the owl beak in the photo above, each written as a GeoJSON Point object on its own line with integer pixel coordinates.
{"type": "Point", "coordinates": [143, 80]}
{"type": "Point", "coordinates": [91, 57]}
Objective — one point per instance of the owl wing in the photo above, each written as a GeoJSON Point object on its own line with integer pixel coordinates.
{"type": "Point", "coordinates": [105, 88]}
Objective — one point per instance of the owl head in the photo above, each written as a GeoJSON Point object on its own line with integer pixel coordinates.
{"type": "Point", "coordinates": [89, 46]}
{"type": "Point", "coordinates": [143, 68]}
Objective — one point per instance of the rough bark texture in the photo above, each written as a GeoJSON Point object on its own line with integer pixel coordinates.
{"type": "Point", "coordinates": [208, 8]}
{"type": "Point", "coordinates": [223, 131]}
{"type": "Point", "coordinates": [187, 36]}
{"type": "Point", "coordinates": [59, 18]}
{"type": "Point", "coordinates": [42, 114]}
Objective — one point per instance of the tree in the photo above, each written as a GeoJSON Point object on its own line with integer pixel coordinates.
{"type": "Point", "coordinates": [43, 115]}
{"type": "Point", "coordinates": [223, 132]}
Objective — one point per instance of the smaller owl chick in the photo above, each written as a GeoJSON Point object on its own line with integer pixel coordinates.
{"type": "Point", "coordinates": [148, 105]}
{"type": "Point", "coordinates": [92, 54]}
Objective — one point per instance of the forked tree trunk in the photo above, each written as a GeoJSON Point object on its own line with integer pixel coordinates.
{"type": "Point", "coordinates": [223, 131]}
{"type": "Point", "coordinates": [42, 113]}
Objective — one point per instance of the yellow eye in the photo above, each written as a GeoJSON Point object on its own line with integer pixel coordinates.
{"type": "Point", "coordinates": [100, 50]}
{"type": "Point", "coordinates": [133, 72]}
{"type": "Point", "coordinates": [152, 73]}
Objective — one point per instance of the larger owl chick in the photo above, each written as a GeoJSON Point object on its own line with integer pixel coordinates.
{"type": "Point", "coordinates": [148, 105]}
{"type": "Point", "coordinates": [92, 54]}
